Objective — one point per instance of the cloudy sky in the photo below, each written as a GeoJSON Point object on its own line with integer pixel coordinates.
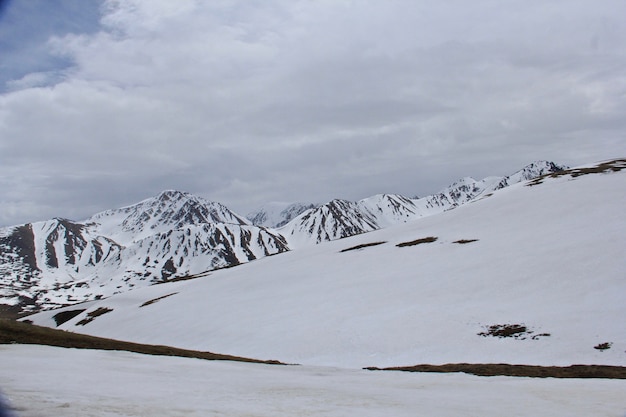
{"type": "Point", "coordinates": [105, 103]}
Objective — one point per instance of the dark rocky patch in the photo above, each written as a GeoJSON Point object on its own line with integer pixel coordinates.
{"type": "Point", "coordinates": [22, 242]}
{"type": "Point", "coordinates": [428, 239]}
{"type": "Point", "coordinates": [18, 332]}
{"type": "Point", "coordinates": [168, 269]}
{"type": "Point", "coordinates": [533, 371]}
{"type": "Point", "coordinates": [24, 306]}
{"type": "Point", "coordinates": [154, 300]}
{"type": "Point", "coordinates": [516, 331]}
{"type": "Point", "coordinates": [91, 316]}
{"type": "Point", "coordinates": [361, 246]}
{"type": "Point", "coordinates": [10, 311]}
{"type": "Point", "coordinates": [65, 316]}
{"type": "Point", "coordinates": [464, 241]}
{"type": "Point", "coordinates": [603, 346]}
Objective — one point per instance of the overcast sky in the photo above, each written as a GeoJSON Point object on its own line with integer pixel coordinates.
{"type": "Point", "coordinates": [106, 103]}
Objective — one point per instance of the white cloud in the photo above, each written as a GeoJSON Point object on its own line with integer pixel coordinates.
{"type": "Point", "coordinates": [246, 102]}
{"type": "Point", "coordinates": [34, 79]}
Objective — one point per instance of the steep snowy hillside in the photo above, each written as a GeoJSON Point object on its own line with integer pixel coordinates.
{"type": "Point", "coordinates": [532, 274]}
{"type": "Point", "coordinates": [173, 235]}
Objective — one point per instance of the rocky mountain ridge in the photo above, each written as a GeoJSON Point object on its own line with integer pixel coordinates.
{"type": "Point", "coordinates": [170, 236]}
{"type": "Point", "coordinates": [340, 218]}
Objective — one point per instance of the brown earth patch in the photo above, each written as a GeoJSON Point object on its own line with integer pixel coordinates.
{"type": "Point", "coordinates": [24, 333]}
{"type": "Point", "coordinates": [11, 311]}
{"type": "Point", "coordinates": [364, 245]}
{"type": "Point", "coordinates": [465, 241]}
{"type": "Point", "coordinates": [91, 316]}
{"type": "Point", "coordinates": [603, 346]}
{"type": "Point", "coordinates": [516, 331]}
{"type": "Point", "coordinates": [503, 369]}
{"type": "Point", "coordinates": [154, 300]}
{"type": "Point", "coordinates": [65, 316]}
{"type": "Point", "coordinates": [428, 239]}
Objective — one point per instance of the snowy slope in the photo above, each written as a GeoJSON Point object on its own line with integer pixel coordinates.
{"type": "Point", "coordinates": [547, 256]}
{"type": "Point", "coordinates": [79, 383]}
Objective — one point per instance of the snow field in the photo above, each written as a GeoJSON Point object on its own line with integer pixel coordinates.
{"type": "Point", "coordinates": [57, 382]}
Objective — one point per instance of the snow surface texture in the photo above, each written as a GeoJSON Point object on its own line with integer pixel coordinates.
{"type": "Point", "coordinates": [56, 382]}
{"type": "Point", "coordinates": [547, 257]}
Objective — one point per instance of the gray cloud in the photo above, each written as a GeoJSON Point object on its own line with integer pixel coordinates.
{"type": "Point", "coordinates": [250, 102]}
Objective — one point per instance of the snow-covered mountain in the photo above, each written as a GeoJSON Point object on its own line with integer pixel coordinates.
{"type": "Point", "coordinates": [171, 236]}
{"type": "Point", "coordinates": [176, 235]}
{"type": "Point", "coordinates": [529, 172]}
{"type": "Point", "coordinates": [340, 218]}
{"type": "Point", "coordinates": [278, 214]}
{"type": "Point", "coordinates": [334, 220]}
{"type": "Point", "coordinates": [533, 274]}
{"type": "Point", "coordinates": [169, 210]}
{"type": "Point", "coordinates": [390, 209]}
{"type": "Point", "coordinates": [468, 189]}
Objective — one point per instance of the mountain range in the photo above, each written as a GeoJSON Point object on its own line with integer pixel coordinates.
{"type": "Point", "coordinates": [176, 235]}
{"type": "Point", "coordinates": [530, 273]}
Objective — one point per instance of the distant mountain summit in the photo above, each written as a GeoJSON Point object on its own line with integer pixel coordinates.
{"type": "Point", "coordinates": [169, 210]}
{"type": "Point", "coordinates": [177, 235]}
{"type": "Point", "coordinates": [531, 171]}
{"type": "Point", "coordinates": [340, 218]}
{"type": "Point", "coordinates": [278, 214]}
{"type": "Point", "coordinates": [334, 220]}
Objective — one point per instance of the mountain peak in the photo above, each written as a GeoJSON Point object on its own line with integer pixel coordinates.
{"type": "Point", "coordinates": [278, 214]}
{"type": "Point", "coordinates": [168, 195]}
{"type": "Point", "coordinates": [170, 209]}
{"type": "Point", "coordinates": [545, 167]}
{"type": "Point", "coordinates": [530, 171]}
{"type": "Point", "coordinates": [334, 220]}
